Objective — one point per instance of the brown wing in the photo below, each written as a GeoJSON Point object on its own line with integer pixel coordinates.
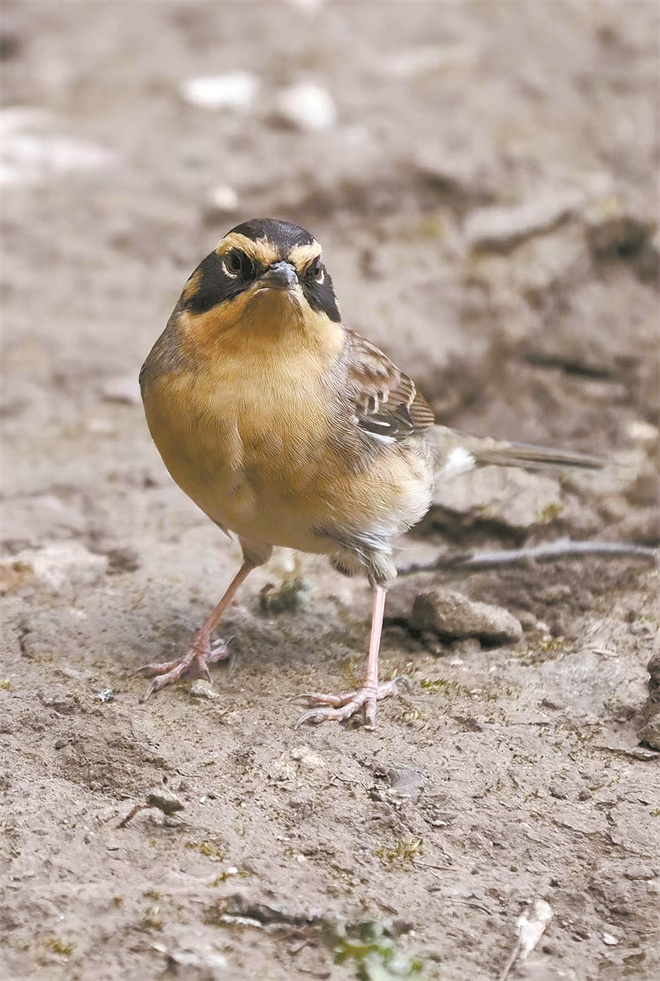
{"type": "Point", "coordinates": [386, 402]}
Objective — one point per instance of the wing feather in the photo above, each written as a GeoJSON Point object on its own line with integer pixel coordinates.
{"type": "Point", "coordinates": [386, 402]}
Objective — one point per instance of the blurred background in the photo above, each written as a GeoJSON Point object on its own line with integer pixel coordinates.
{"type": "Point", "coordinates": [483, 178]}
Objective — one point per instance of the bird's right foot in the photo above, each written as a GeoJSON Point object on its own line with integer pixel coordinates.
{"type": "Point", "coordinates": [194, 664]}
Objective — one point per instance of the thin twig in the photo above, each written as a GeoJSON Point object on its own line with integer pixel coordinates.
{"type": "Point", "coordinates": [564, 548]}
{"type": "Point", "coordinates": [511, 961]}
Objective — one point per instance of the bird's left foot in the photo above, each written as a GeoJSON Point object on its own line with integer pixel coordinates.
{"type": "Point", "coordinates": [338, 708]}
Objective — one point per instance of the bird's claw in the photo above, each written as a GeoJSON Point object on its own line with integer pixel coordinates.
{"type": "Point", "coordinates": [339, 708]}
{"type": "Point", "coordinates": [193, 664]}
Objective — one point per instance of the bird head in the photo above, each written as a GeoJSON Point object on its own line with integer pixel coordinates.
{"type": "Point", "coordinates": [266, 277]}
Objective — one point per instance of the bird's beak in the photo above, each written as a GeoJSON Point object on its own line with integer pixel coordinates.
{"type": "Point", "coordinates": [280, 276]}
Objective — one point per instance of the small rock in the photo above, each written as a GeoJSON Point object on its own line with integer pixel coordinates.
{"type": "Point", "coordinates": [649, 734]}
{"type": "Point", "coordinates": [641, 431]}
{"type": "Point", "coordinates": [307, 757]}
{"type": "Point", "coordinates": [636, 872]}
{"type": "Point", "coordinates": [306, 106]}
{"type": "Point", "coordinates": [235, 91]}
{"type": "Point", "coordinates": [609, 939]}
{"type": "Point", "coordinates": [404, 781]}
{"type": "Point", "coordinates": [62, 566]}
{"type": "Point", "coordinates": [223, 199]}
{"type": "Point", "coordinates": [451, 614]}
{"type": "Point", "coordinates": [502, 228]}
{"type": "Point", "coordinates": [106, 695]}
{"type": "Point", "coordinates": [510, 497]}
{"type": "Point", "coordinates": [201, 688]}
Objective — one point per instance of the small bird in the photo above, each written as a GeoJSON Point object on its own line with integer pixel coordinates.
{"type": "Point", "coordinates": [286, 428]}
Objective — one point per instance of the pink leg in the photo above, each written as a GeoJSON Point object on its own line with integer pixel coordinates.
{"type": "Point", "coordinates": [195, 661]}
{"type": "Point", "coordinates": [337, 708]}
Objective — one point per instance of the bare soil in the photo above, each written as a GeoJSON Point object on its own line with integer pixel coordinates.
{"type": "Point", "coordinates": [503, 775]}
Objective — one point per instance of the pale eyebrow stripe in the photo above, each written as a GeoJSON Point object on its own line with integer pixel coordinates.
{"type": "Point", "coordinates": [302, 255]}
{"type": "Point", "coordinates": [261, 251]}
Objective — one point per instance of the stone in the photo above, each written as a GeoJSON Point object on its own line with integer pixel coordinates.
{"type": "Point", "coordinates": [306, 106]}
{"type": "Point", "coordinates": [223, 200]}
{"type": "Point", "coordinates": [236, 91]}
{"type": "Point", "coordinates": [403, 781]}
{"type": "Point", "coordinates": [509, 497]}
{"type": "Point", "coordinates": [201, 688]}
{"type": "Point", "coordinates": [649, 734]}
{"type": "Point", "coordinates": [452, 615]}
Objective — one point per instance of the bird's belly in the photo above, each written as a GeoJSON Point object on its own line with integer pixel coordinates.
{"type": "Point", "coordinates": [273, 477]}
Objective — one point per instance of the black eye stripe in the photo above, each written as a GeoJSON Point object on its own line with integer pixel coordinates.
{"type": "Point", "coordinates": [217, 284]}
{"type": "Point", "coordinates": [320, 294]}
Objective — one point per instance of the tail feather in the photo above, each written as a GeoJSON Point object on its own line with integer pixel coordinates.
{"type": "Point", "coordinates": [458, 452]}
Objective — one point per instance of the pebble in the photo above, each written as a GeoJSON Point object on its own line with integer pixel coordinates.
{"type": "Point", "coordinates": [223, 199]}
{"type": "Point", "coordinates": [106, 695]}
{"type": "Point", "coordinates": [235, 91]}
{"type": "Point", "coordinates": [61, 566]}
{"type": "Point", "coordinates": [306, 106]}
{"type": "Point", "coordinates": [641, 431]}
{"type": "Point", "coordinates": [451, 614]}
{"type": "Point", "coordinates": [650, 733]}
{"type": "Point", "coordinates": [609, 939]}
{"type": "Point", "coordinates": [201, 688]}
{"type": "Point", "coordinates": [307, 757]}
{"type": "Point", "coordinates": [636, 872]}
{"type": "Point", "coordinates": [404, 781]}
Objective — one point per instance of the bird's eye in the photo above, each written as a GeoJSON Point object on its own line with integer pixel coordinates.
{"type": "Point", "coordinates": [238, 264]}
{"type": "Point", "coordinates": [316, 270]}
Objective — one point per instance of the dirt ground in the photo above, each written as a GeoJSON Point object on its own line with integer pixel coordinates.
{"type": "Point", "coordinates": [486, 198]}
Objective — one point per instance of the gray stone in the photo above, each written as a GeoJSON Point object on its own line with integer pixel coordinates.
{"type": "Point", "coordinates": [510, 497]}
{"type": "Point", "coordinates": [452, 615]}
{"type": "Point", "coordinates": [649, 734]}
{"type": "Point", "coordinates": [404, 781]}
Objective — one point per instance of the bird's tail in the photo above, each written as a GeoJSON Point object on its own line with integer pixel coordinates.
{"type": "Point", "coordinates": [458, 452]}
